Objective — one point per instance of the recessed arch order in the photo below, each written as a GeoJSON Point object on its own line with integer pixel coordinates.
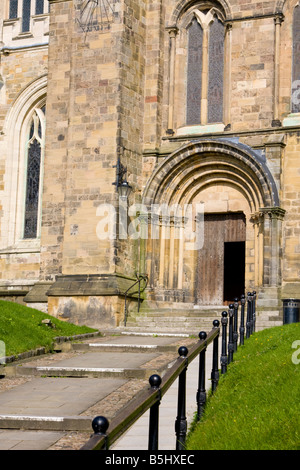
{"type": "Point", "coordinates": [180, 176]}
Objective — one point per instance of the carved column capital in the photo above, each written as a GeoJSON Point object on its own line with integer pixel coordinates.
{"type": "Point", "coordinates": [279, 19]}
{"type": "Point", "coordinates": [172, 30]}
{"type": "Point", "coordinates": [274, 212]}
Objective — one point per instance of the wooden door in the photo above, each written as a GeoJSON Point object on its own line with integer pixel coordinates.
{"type": "Point", "coordinates": [218, 230]}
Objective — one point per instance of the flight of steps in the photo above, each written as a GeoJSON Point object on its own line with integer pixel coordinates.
{"type": "Point", "coordinates": [192, 319]}
{"type": "Point", "coordinates": [188, 320]}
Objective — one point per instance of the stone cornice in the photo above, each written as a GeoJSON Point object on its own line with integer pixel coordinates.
{"type": "Point", "coordinates": [273, 212]}
{"type": "Point", "coordinates": [6, 50]}
{"type": "Point", "coordinates": [59, 1]}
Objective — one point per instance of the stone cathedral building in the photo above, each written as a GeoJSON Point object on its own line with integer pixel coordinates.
{"type": "Point", "coordinates": [194, 105]}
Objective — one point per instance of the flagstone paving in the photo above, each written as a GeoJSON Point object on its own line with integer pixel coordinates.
{"type": "Point", "coordinates": [52, 409]}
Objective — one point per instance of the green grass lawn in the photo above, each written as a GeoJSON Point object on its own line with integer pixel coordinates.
{"type": "Point", "coordinates": [257, 403]}
{"type": "Point", "coordinates": [21, 328]}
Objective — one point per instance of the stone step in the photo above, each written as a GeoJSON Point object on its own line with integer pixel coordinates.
{"type": "Point", "coordinates": [194, 325]}
{"type": "Point", "coordinates": [157, 330]}
{"type": "Point", "coordinates": [141, 332]}
{"type": "Point", "coordinates": [179, 320]}
{"type": "Point", "coordinates": [180, 314]}
{"type": "Point", "coordinates": [95, 372]}
{"type": "Point", "coordinates": [141, 348]}
{"type": "Point", "coordinates": [175, 320]}
{"type": "Point", "coordinates": [152, 305]}
{"type": "Point", "coordinates": [46, 423]}
{"type": "Point", "coordinates": [165, 318]}
{"type": "Point", "coordinates": [190, 330]}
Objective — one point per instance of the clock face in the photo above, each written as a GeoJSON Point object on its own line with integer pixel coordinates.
{"type": "Point", "coordinates": [95, 15]}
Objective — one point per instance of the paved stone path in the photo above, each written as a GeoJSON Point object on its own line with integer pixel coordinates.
{"type": "Point", "coordinates": [49, 402]}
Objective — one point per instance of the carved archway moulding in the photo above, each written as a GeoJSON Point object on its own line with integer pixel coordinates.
{"type": "Point", "coordinates": [184, 5]}
{"type": "Point", "coordinates": [204, 162]}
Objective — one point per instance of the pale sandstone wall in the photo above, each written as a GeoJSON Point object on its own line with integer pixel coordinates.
{"type": "Point", "coordinates": [108, 97]}
{"type": "Point", "coordinates": [22, 75]}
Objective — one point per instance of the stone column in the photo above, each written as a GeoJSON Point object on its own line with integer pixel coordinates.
{"type": "Point", "coordinates": [273, 217]}
{"type": "Point", "coordinates": [278, 20]}
{"type": "Point", "coordinates": [204, 91]}
{"type": "Point", "coordinates": [162, 254]}
{"type": "Point", "coordinates": [172, 33]}
{"type": "Point", "coordinates": [227, 75]}
{"type": "Point", "coordinates": [257, 220]}
{"type": "Point", "coordinates": [181, 253]}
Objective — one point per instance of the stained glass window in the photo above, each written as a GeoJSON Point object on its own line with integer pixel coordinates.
{"type": "Point", "coordinates": [296, 62]}
{"type": "Point", "coordinates": [26, 15]}
{"type": "Point", "coordinates": [39, 7]}
{"type": "Point", "coordinates": [33, 176]}
{"type": "Point", "coordinates": [205, 28]}
{"type": "Point", "coordinates": [215, 72]}
{"type": "Point", "coordinates": [13, 9]}
{"type": "Point", "coordinates": [32, 190]}
{"type": "Point", "coordinates": [194, 74]}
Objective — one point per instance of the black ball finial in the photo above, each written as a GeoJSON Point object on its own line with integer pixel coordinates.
{"type": "Point", "coordinates": [155, 381]}
{"type": "Point", "coordinates": [100, 425]}
{"type": "Point", "coordinates": [202, 335]}
{"type": "Point", "coordinates": [183, 351]}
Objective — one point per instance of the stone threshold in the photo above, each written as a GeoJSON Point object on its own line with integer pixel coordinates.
{"type": "Point", "coordinates": [46, 423]}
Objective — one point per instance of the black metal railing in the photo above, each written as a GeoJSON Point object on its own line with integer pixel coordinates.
{"type": "Point", "coordinates": [140, 277]}
{"type": "Point", "coordinates": [105, 433]}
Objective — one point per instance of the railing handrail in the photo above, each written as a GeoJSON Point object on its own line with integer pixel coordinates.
{"type": "Point", "coordinates": [140, 277]}
{"type": "Point", "coordinates": [148, 397]}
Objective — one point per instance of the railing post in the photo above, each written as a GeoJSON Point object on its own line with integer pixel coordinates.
{"type": "Point", "coordinates": [215, 368]}
{"type": "Point", "coordinates": [139, 294]}
{"type": "Point", "coordinates": [242, 327]}
{"type": "Point", "coordinates": [230, 339]}
{"type": "Point", "coordinates": [100, 425]}
{"type": "Point", "coordinates": [251, 313]}
{"type": "Point", "coordinates": [181, 423]}
{"type": "Point", "coordinates": [248, 322]}
{"type": "Point", "coordinates": [201, 393]}
{"type": "Point", "coordinates": [235, 325]}
{"type": "Point", "coordinates": [155, 382]}
{"type": "Point", "coordinates": [224, 358]}
{"type": "Point", "coordinates": [254, 310]}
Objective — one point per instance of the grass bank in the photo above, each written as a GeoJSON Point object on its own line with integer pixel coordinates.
{"type": "Point", "coordinates": [257, 402]}
{"type": "Point", "coordinates": [21, 328]}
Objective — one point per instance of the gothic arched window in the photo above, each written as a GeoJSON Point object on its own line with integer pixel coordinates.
{"type": "Point", "coordinates": [34, 153]}
{"type": "Point", "coordinates": [194, 73]}
{"type": "Point", "coordinates": [215, 72]}
{"type": "Point", "coordinates": [205, 68]}
{"type": "Point", "coordinates": [296, 61]}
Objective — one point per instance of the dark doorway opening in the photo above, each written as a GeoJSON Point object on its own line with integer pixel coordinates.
{"type": "Point", "coordinates": [234, 270]}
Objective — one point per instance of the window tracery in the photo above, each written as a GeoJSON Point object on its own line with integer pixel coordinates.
{"type": "Point", "coordinates": [34, 149]}
{"type": "Point", "coordinates": [204, 97]}
{"type": "Point", "coordinates": [199, 41]}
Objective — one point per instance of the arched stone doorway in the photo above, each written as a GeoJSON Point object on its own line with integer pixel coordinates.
{"type": "Point", "coordinates": [233, 207]}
